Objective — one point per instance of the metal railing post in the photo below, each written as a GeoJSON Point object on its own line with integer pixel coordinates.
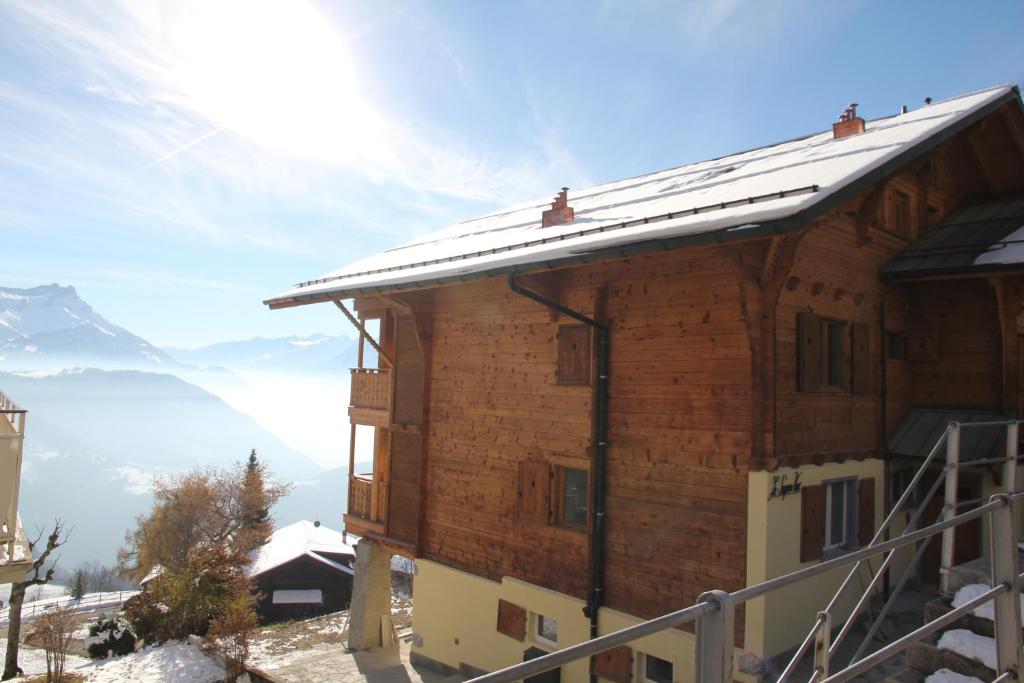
{"type": "Point", "coordinates": [713, 663]}
{"type": "Point", "coordinates": [952, 478]}
{"type": "Point", "coordinates": [821, 647]}
{"type": "Point", "coordinates": [1010, 465]}
{"type": "Point", "coordinates": [1005, 572]}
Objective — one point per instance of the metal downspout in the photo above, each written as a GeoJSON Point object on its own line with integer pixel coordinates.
{"type": "Point", "coordinates": [883, 408]}
{"type": "Point", "coordinates": [597, 545]}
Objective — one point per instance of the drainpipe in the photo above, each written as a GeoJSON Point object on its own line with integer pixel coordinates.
{"type": "Point", "coordinates": [883, 407]}
{"type": "Point", "coordinates": [600, 445]}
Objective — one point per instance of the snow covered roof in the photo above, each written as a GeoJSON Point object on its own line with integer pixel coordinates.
{"type": "Point", "coordinates": [981, 237]}
{"type": "Point", "coordinates": [296, 540]}
{"type": "Point", "coordinates": [755, 193]}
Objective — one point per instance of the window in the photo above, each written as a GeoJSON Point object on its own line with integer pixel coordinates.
{"type": "Point", "coordinates": [898, 483]}
{"type": "Point", "coordinates": [573, 354]}
{"type": "Point", "coordinates": [573, 495]}
{"type": "Point", "coordinates": [833, 353]}
{"type": "Point", "coordinates": [547, 630]}
{"type": "Point", "coordinates": [896, 345]}
{"type": "Point", "coordinates": [900, 219]}
{"type": "Point", "coordinates": [840, 514]}
{"type": "Point", "coordinates": [656, 670]}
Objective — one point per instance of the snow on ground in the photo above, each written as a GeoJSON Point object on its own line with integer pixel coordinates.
{"type": "Point", "coordinates": [49, 590]}
{"type": "Point", "coordinates": [174, 662]}
{"type": "Point", "coordinates": [947, 676]}
{"type": "Point", "coordinates": [970, 645]}
{"type": "Point", "coordinates": [88, 602]}
{"type": "Point", "coordinates": [985, 610]}
{"type": "Point", "coordinates": [33, 661]}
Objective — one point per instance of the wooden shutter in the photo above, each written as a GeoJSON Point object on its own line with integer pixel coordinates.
{"type": "Point", "coordinates": [808, 352]}
{"type": "Point", "coordinates": [812, 522]}
{"type": "Point", "coordinates": [573, 354]}
{"type": "Point", "coordinates": [615, 664]}
{"type": "Point", "coordinates": [534, 491]}
{"type": "Point", "coordinates": [511, 620]}
{"type": "Point", "coordinates": [861, 359]}
{"type": "Point", "coordinates": [866, 512]}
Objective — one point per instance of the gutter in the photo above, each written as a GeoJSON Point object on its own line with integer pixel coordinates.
{"type": "Point", "coordinates": [600, 447]}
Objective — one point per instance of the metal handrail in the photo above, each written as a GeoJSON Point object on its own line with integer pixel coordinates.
{"type": "Point", "coordinates": [712, 646]}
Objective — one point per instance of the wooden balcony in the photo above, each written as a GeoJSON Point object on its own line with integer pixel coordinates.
{"type": "Point", "coordinates": [367, 501]}
{"type": "Point", "coordinates": [14, 555]}
{"type": "Point", "coordinates": [370, 401]}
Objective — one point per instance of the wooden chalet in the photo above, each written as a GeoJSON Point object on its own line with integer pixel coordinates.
{"type": "Point", "coordinates": [589, 412]}
{"type": "Point", "coordinates": [304, 570]}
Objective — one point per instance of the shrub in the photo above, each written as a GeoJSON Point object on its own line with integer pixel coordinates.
{"type": "Point", "coordinates": [110, 635]}
{"type": "Point", "coordinates": [53, 630]}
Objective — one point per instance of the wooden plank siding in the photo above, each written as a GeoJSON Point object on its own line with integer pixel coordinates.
{"type": "Point", "coordinates": [679, 430]}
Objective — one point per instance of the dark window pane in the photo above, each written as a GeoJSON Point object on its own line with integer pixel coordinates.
{"type": "Point", "coordinates": [547, 628]}
{"type": "Point", "coordinates": [574, 497]}
{"type": "Point", "coordinates": [657, 670]}
{"type": "Point", "coordinates": [837, 513]}
{"type": "Point", "coordinates": [835, 353]}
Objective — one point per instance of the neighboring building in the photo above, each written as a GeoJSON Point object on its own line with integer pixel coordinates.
{"type": "Point", "coordinates": [15, 556]}
{"type": "Point", "coordinates": [588, 414]}
{"type": "Point", "coordinates": [304, 570]}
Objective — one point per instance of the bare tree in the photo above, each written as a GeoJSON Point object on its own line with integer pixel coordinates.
{"type": "Point", "coordinates": [38, 575]}
{"type": "Point", "coordinates": [53, 631]}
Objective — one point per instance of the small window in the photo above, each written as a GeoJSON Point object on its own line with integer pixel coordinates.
{"type": "Point", "coordinates": [573, 354]}
{"type": "Point", "coordinates": [547, 630]}
{"type": "Point", "coordinates": [840, 515]}
{"type": "Point", "coordinates": [900, 215]}
{"type": "Point", "coordinates": [896, 345]}
{"type": "Point", "coordinates": [573, 495]}
{"type": "Point", "coordinates": [834, 353]}
{"type": "Point", "coordinates": [656, 669]}
{"type": "Point", "coordinates": [899, 482]}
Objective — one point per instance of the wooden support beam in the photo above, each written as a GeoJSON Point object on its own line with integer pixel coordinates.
{"type": "Point", "coordinates": [867, 213]}
{"type": "Point", "coordinates": [1009, 298]}
{"type": "Point", "coordinates": [977, 151]}
{"type": "Point", "coordinates": [1015, 124]}
{"type": "Point", "coordinates": [365, 335]}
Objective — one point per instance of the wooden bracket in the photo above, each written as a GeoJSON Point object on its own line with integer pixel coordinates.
{"type": "Point", "coordinates": [867, 214]}
{"type": "Point", "coordinates": [366, 335]}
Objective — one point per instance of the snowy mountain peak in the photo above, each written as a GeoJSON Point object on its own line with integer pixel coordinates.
{"type": "Point", "coordinates": [51, 326]}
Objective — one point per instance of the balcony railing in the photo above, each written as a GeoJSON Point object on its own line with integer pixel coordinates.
{"type": "Point", "coordinates": [371, 388]}
{"type": "Point", "coordinates": [12, 439]}
{"type": "Point", "coordinates": [360, 496]}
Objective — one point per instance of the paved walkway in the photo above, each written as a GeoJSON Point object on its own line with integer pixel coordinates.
{"type": "Point", "coordinates": [385, 665]}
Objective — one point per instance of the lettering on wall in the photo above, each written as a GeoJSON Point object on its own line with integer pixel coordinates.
{"type": "Point", "coordinates": [782, 486]}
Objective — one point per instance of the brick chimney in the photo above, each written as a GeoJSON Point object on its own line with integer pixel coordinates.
{"type": "Point", "coordinates": [560, 211]}
{"type": "Point", "coordinates": [848, 124]}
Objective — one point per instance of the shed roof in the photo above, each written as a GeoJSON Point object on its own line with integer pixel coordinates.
{"type": "Point", "coordinates": [981, 237]}
{"type": "Point", "coordinates": [922, 429]}
{"type": "Point", "coordinates": [754, 193]}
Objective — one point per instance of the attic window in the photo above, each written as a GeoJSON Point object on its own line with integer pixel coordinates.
{"type": "Point", "coordinates": [899, 220]}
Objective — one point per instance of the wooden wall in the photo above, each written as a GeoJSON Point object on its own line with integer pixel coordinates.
{"type": "Point", "coordinates": [679, 430]}
{"type": "Point", "coordinates": [406, 446]}
{"type": "Point", "coordinates": [955, 345]}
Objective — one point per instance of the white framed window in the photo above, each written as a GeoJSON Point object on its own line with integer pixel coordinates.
{"type": "Point", "coordinates": [545, 630]}
{"type": "Point", "coordinates": [840, 514]}
{"type": "Point", "coordinates": [654, 669]}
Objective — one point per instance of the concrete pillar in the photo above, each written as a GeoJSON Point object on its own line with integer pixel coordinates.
{"type": "Point", "coordinates": [370, 611]}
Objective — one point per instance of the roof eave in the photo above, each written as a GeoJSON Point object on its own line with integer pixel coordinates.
{"type": "Point", "coordinates": [764, 230]}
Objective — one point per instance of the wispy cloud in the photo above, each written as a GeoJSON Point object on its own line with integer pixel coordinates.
{"type": "Point", "coordinates": [162, 78]}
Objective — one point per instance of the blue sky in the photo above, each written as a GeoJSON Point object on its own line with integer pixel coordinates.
{"type": "Point", "coordinates": [179, 162]}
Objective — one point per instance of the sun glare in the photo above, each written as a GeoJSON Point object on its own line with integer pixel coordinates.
{"type": "Point", "coordinates": [276, 73]}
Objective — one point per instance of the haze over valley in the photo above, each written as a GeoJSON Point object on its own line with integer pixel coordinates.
{"type": "Point", "coordinates": [109, 412]}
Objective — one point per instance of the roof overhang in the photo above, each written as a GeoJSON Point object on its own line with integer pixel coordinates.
{"type": "Point", "coordinates": [741, 231]}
